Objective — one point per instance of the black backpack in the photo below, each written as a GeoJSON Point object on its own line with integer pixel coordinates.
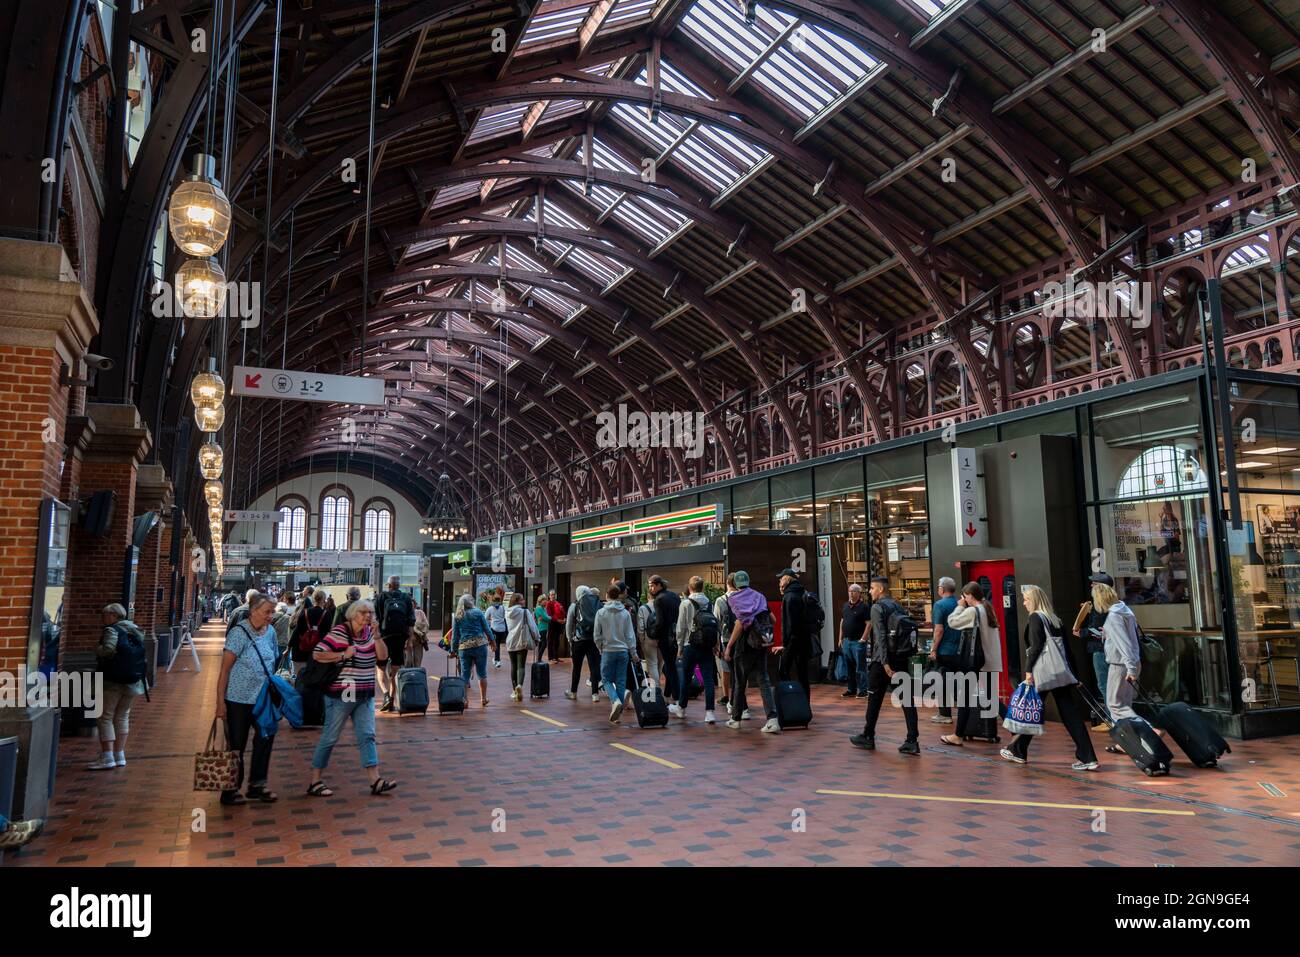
{"type": "Point", "coordinates": [398, 613]}
{"type": "Point", "coordinates": [588, 605]}
{"type": "Point", "coordinates": [704, 632]}
{"type": "Point", "coordinates": [900, 634]}
{"type": "Point", "coordinates": [761, 632]}
{"type": "Point", "coordinates": [127, 666]}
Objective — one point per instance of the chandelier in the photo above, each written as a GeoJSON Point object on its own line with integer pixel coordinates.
{"type": "Point", "coordinates": [211, 460]}
{"type": "Point", "coordinates": [202, 287]}
{"type": "Point", "coordinates": [199, 212]}
{"type": "Point", "coordinates": [443, 521]}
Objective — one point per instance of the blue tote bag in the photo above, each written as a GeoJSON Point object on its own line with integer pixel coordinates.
{"type": "Point", "coordinates": [1025, 712]}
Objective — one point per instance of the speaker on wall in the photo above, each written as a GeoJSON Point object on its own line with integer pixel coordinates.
{"type": "Point", "coordinates": [99, 513]}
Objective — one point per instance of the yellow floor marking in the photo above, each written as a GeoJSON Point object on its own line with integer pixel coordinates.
{"type": "Point", "coordinates": [648, 757]}
{"type": "Point", "coordinates": [542, 717]}
{"type": "Point", "coordinates": [953, 800]}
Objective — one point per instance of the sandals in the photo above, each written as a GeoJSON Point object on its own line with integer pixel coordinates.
{"type": "Point", "coordinates": [263, 794]}
{"type": "Point", "coordinates": [382, 786]}
{"type": "Point", "coordinates": [320, 789]}
{"type": "Point", "coordinates": [233, 799]}
{"type": "Point", "coordinates": [952, 739]}
{"type": "Point", "coordinates": [1114, 749]}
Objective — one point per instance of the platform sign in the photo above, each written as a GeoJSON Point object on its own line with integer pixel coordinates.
{"type": "Point", "coordinates": [306, 386]}
{"type": "Point", "coordinates": [968, 498]}
{"type": "Point", "coordinates": [825, 580]}
{"type": "Point", "coordinates": [703, 515]}
{"type": "Point", "coordinates": [327, 559]}
{"type": "Point", "coordinates": [530, 556]}
{"type": "Point", "coordinates": [247, 515]}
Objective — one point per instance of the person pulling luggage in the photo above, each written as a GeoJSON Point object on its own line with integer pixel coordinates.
{"type": "Point", "coordinates": [697, 636]}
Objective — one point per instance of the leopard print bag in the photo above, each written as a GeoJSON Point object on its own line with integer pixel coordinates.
{"type": "Point", "coordinates": [216, 768]}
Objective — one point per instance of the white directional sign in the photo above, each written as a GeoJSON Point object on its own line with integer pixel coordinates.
{"type": "Point", "coordinates": [245, 515]}
{"type": "Point", "coordinates": [307, 386]}
{"type": "Point", "coordinates": [238, 551]}
{"type": "Point", "coordinates": [316, 558]}
{"type": "Point", "coordinates": [968, 498]}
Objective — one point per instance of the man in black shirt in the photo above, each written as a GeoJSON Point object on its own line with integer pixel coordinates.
{"type": "Point", "coordinates": [796, 631]}
{"type": "Point", "coordinates": [666, 605]}
{"type": "Point", "coordinates": [854, 618]}
{"type": "Point", "coordinates": [883, 666]}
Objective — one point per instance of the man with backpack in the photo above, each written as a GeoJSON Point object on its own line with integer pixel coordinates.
{"type": "Point", "coordinates": [122, 662]}
{"type": "Point", "coordinates": [396, 615]}
{"type": "Point", "coordinates": [751, 640]}
{"type": "Point", "coordinates": [697, 635]}
{"type": "Point", "coordinates": [801, 619]}
{"type": "Point", "coordinates": [663, 631]}
{"type": "Point", "coordinates": [893, 642]}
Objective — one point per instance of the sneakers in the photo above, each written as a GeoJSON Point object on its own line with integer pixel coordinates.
{"type": "Point", "coordinates": [595, 697]}
{"type": "Point", "coordinates": [864, 741]}
{"type": "Point", "coordinates": [1084, 766]}
{"type": "Point", "coordinates": [710, 717]}
{"type": "Point", "coordinates": [941, 719]}
{"type": "Point", "coordinates": [733, 724]}
{"type": "Point", "coordinates": [497, 663]}
{"type": "Point", "coordinates": [121, 759]}
{"type": "Point", "coordinates": [745, 715]}
{"type": "Point", "coordinates": [517, 694]}
{"type": "Point", "coordinates": [724, 703]}
{"type": "Point", "coordinates": [848, 693]}
{"type": "Point", "coordinates": [909, 747]}
{"type": "Point", "coordinates": [772, 727]}
{"type": "Point", "coordinates": [676, 712]}
{"type": "Point", "coordinates": [19, 833]}
{"type": "Point", "coordinates": [615, 711]}
{"type": "Point", "coordinates": [1013, 758]}
{"type": "Point", "coordinates": [570, 695]}
{"type": "Point", "coordinates": [1103, 728]}
{"type": "Point", "coordinates": [861, 694]}
{"type": "Point", "coordinates": [105, 762]}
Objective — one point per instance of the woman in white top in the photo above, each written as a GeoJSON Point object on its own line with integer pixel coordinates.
{"type": "Point", "coordinates": [496, 616]}
{"type": "Point", "coordinates": [980, 690]}
{"type": "Point", "coordinates": [521, 637]}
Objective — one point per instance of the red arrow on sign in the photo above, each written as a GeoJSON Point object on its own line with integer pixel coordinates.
{"type": "Point", "coordinates": [971, 530]}
{"type": "Point", "coordinates": [252, 381]}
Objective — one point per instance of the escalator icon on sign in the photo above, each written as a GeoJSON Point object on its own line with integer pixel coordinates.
{"type": "Point", "coordinates": [282, 384]}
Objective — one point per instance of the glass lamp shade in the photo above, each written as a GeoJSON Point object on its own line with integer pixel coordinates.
{"type": "Point", "coordinates": [201, 284]}
{"type": "Point", "coordinates": [216, 513]}
{"type": "Point", "coordinates": [207, 390]}
{"type": "Point", "coordinates": [199, 212]}
{"type": "Point", "coordinates": [211, 459]}
{"type": "Point", "coordinates": [210, 420]}
{"type": "Point", "coordinates": [213, 491]}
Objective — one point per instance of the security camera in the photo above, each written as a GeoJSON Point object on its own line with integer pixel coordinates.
{"type": "Point", "coordinates": [98, 363]}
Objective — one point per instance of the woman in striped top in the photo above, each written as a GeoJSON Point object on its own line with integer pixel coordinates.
{"type": "Point", "coordinates": [352, 694]}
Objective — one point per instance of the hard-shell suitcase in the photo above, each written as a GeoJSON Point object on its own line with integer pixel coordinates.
{"type": "Point", "coordinates": [412, 691]}
{"type": "Point", "coordinates": [1200, 742]}
{"type": "Point", "coordinates": [539, 684]}
{"type": "Point", "coordinates": [452, 692]}
{"type": "Point", "coordinates": [648, 701]}
{"type": "Point", "coordinates": [792, 707]}
{"type": "Point", "coordinates": [1136, 738]}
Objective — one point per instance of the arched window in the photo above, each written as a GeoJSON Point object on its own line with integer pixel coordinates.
{"type": "Point", "coordinates": [1162, 469]}
{"type": "Point", "coordinates": [291, 530]}
{"type": "Point", "coordinates": [336, 520]}
{"type": "Point", "coordinates": [377, 526]}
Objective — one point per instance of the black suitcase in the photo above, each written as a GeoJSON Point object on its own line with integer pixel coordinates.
{"type": "Point", "coordinates": [648, 701]}
{"type": "Point", "coordinates": [1201, 743]}
{"type": "Point", "coordinates": [792, 707]}
{"type": "Point", "coordinates": [313, 705]}
{"type": "Point", "coordinates": [452, 692]}
{"type": "Point", "coordinates": [979, 728]}
{"type": "Point", "coordinates": [412, 691]}
{"type": "Point", "coordinates": [1136, 738]}
{"type": "Point", "coordinates": [540, 680]}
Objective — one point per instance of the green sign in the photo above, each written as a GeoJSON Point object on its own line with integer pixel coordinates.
{"type": "Point", "coordinates": [459, 558]}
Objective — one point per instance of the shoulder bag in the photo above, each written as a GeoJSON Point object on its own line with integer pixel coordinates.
{"type": "Point", "coordinates": [1052, 669]}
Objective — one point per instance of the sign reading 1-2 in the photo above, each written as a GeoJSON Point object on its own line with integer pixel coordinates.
{"type": "Point", "coordinates": [968, 498]}
{"type": "Point", "coordinates": [307, 386]}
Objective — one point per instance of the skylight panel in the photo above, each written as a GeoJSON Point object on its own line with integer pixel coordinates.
{"type": "Point", "coordinates": [932, 7]}
{"type": "Point", "coordinates": [552, 23]}
{"type": "Point", "coordinates": [498, 120]}
{"type": "Point", "coordinates": [627, 13]}
{"type": "Point", "coordinates": [457, 192]}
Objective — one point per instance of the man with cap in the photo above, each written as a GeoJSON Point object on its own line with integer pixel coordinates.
{"type": "Point", "coordinates": [666, 606]}
{"type": "Point", "coordinates": [748, 665]}
{"type": "Point", "coordinates": [1088, 625]}
{"type": "Point", "coordinates": [796, 630]}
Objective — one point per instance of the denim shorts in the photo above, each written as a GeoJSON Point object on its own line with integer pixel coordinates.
{"type": "Point", "coordinates": [470, 657]}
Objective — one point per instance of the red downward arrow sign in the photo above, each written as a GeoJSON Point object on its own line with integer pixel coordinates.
{"type": "Point", "coordinates": [252, 381]}
{"type": "Point", "coordinates": [971, 530]}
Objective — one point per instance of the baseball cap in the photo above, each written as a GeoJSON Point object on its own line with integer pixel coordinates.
{"type": "Point", "coordinates": [742, 579]}
{"type": "Point", "coordinates": [787, 571]}
{"type": "Point", "coordinates": [1101, 578]}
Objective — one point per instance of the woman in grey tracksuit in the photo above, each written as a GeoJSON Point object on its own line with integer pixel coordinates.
{"type": "Point", "coordinates": [615, 636]}
{"type": "Point", "coordinates": [1123, 653]}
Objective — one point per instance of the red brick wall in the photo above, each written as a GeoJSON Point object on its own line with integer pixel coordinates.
{"type": "Point", "coordinates": [29, 470]}
{"type": "Point", "coordinates": [95, 563]}
{"type": "Point", "coordinates": [147, 581]}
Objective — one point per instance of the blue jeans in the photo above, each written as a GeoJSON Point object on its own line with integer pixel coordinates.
{"type": "Point", "coordinates": [363, 725]}
{"type": "Point", "coordinates": [692, 656]}
{"type": "Point", "coordinates": [854, 652]}
{"type": "Point", "coordinates": [472, 657]}
{"type": "Point", "coordinates": [613, 674]}
{"type": "Point", "coordinates": [1102, 670]}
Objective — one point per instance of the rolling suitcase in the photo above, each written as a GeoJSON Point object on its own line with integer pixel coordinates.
{"type": "Point", "coordinates": [539, 683]}
{"type": "Point", "coordinates": [792, 707]}
{"type": "Point", "coordinates": [452, 692]}
{"type": "Point", "coordinates": [648, 701]}
{"type": "Point", "coordinates": [1201, 743]}
{"type": "Point", "coordinates": [412, 691]}
{"type": "Point", "coordinates": [1136, 738]}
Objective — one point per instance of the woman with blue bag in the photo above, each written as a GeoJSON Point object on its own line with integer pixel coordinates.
{"type": "Point", "coordinates": [248, 660]}
{"type": "Point", "coordinates": [1047, 658]}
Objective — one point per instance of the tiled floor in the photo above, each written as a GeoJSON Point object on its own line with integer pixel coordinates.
{"type": "Point", "coordinates": [502, 786]}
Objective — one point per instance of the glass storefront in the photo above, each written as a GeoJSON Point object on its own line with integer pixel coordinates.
{"type": "Point", "coordinates": [792, 505]}
{"type": "Point", "coordinates": [898, 540]}
{"type": "Point", "coordinates": [749, 503]}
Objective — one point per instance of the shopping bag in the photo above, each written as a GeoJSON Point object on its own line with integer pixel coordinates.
{"type": "Point", "coordinates": [216, 767]}
{"type": "Point", "coordinates": [1025, 711]}
{"type": "Point", "coordinates": [841, 664]}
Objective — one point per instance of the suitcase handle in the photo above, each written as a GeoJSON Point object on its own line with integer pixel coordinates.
{"type": "Point", "coordinates": [1097, 711]}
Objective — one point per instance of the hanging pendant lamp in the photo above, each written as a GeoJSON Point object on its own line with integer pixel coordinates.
{"type": "Point", "coordinates": [201, 285]}
{"type": "Point", "coordinates": [199, 212]}
{"type": "Point", "coordinates": [211, 460]}
{"type": "Point", "coordinates": [213, 491]}
{"type": "Point", "coordinates": [208, 393]}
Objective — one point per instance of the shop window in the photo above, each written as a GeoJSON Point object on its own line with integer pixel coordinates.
{"type": "Point", "coordinates": [898, 544]}
{"type": "Point", "coordinates": [1167, 419]}
{"type": "Point", "coordinates": [1265, 436]}
{"type": "Point", "coordinates": [750, 506]}
{"type": "Point", "coordinates": [840, 499]}
{"type": "Point", "coordinates": [1053, 423]}
{"type": "Point", "coordinates": [792, 508]}
{"type": "Point", "coordinates": [719, 496]}
{"type": "Point", "coordinates": [679, 535]}
{"type": "Point", "coordinates": [896, 487]}
{"type": "Point", "coordinates": [1265, 563]}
